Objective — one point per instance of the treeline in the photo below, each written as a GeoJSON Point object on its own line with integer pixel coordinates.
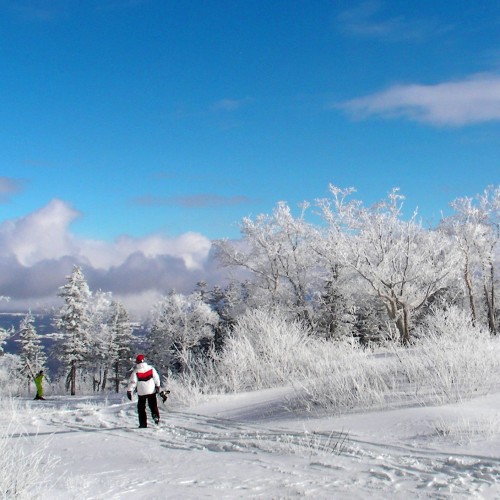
{"type": "Point", "coordinates": [366, 273]}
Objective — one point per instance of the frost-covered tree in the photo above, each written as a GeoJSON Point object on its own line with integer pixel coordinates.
{"type": "Point", "coordinates": [475, 227]}
{"type": "Point", "coordinates": [73, 323]}
{"type": "Point", "coordinates": [229, 303]}
{"type": "Point", "coordinates": [99, 337]}
{"type": "Point", "coordinates": [334, 309]}
{"type": "Point", "coordinates": [120, 349]}
{"type": "Point", "coordinates": [403, 264]}
{"type": "Point", "coordinates": [4, 333]}
{"type": "Point", "coordinates": [276, 251]}
{"type": "Point", "coordinates": [110, 335]}
{"type": "Point", "coordinates": [181, 327]}
{"type": "Point", "coordinates": [31, 352]}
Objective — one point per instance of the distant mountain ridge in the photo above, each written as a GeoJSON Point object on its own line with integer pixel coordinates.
{"type": "Point", "coordinates": [43, 324]}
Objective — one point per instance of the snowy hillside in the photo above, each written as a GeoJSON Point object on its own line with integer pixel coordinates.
{"type": "Point", "coordinates": [250, 446]}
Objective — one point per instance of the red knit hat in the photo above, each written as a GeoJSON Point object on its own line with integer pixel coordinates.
{"type": "Point", "coordinates": [140, 358]}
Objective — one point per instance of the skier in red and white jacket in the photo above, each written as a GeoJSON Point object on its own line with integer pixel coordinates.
{"type": "Point", "coordinates": [146, 380]}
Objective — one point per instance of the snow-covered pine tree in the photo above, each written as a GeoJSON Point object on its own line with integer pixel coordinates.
{"type": "Point", "coordinates": [32, 352]}
{"type": "Point", "coordinates": [73, 323]}
{"type": "Point", "coordinates": [4, 335]}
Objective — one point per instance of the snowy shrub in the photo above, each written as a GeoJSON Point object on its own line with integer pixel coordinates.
{"type": "Point", "coordinates": [310, 444]}
{"type": "Point", "coordinates": [11, 380]}
{"type": "Point", "coordinates": [195, 385]}
{"type": "Point", "coordinates": [465, 430]}
{"type": "Point", "coordinates": [268, 350]}
{"type": "Point", "coordinates": [452, 360]}
{"type": "Point", "coordinates": [343, 376]}
{"type": "Point", "coordinates": [264, 350]}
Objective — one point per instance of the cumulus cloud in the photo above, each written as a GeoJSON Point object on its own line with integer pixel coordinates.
{"type": "Point", "coordinates": [475, 99]}
{"type": "Point", "coordinates": [191, 248]}
{"type": "Point", "coordinates": [38, 251]}
{"type": "Point", "coordinates": [41, 235]}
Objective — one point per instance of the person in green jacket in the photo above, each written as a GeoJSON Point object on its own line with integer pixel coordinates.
{"type": "Point", "coordinates": [39, 386]}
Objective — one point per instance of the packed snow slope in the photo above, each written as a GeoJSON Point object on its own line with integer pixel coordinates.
{"type": "Point", "coordinates": [252, 446]}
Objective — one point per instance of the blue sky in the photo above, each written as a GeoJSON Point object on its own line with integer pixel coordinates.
{"type": "Point", "coordinates": [148, 120]}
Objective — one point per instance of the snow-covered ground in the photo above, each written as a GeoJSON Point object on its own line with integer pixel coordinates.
{"type": "Point", "coordinates": [251, 446]}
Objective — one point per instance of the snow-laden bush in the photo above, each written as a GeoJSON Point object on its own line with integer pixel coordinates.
{"type": "Point", "coordinates": [264, 350]}
{"type": "Point", "coordinates": [452, 359]}
{"type": "Point", "coordinates": [344, 376]}
{"type": "Point", "coordinates": [464, 430]}
{"type": "Point", "coordinates": [194, 385]}
{"type": "Point", "coordinates": [11, 380]}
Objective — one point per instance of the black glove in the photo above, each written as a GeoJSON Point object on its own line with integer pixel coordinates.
{"type": "Point", "coordinates": [129, 395]}
{"type": "Point", "coordinates": [157, 389]}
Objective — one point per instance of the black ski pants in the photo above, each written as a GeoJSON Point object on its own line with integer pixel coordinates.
{"type": "Point", "coordinates": [153, 408]}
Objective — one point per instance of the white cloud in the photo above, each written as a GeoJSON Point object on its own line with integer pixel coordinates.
{"type": "Point", "coordinates": [192, 248]}
{"type": "Point", "coordinates": [44, 234]}
{"type": "Point", "coordinates": [38, 251]}
{"type": "Point", "coordinates": [475, 99]}
{"type": "Point", "coordinates": [41, 235]}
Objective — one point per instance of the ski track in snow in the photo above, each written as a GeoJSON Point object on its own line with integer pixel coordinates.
{"type": "Point", "coordinates": [194, 455]}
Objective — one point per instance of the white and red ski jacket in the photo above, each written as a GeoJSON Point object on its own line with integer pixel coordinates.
{"type": "Point", "coordinates": [145, 378]}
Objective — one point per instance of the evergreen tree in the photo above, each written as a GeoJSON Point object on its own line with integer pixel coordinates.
{"type": "Point", "coordinates": [73, 323]}
{"type": "Point", "coordinates": [32, 351]}
{"type": "Point", "coordinates": [4, 335]}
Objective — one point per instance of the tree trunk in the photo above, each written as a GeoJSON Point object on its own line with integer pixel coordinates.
{"type": "Point", "coordinates": [490, 301]}
{"type": "Point", "coordinates": [398, 313]}
{"type": "Point", "coordinates": [73, 378]}
{"type": "Point", "coordinates": [117, 378]}
{"type": "Point", "coordinates": [104, 378]}
{"type": "Point", "coordinates": [405, 339]}
{"type": "Point", "coordinates": [470, 291]}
